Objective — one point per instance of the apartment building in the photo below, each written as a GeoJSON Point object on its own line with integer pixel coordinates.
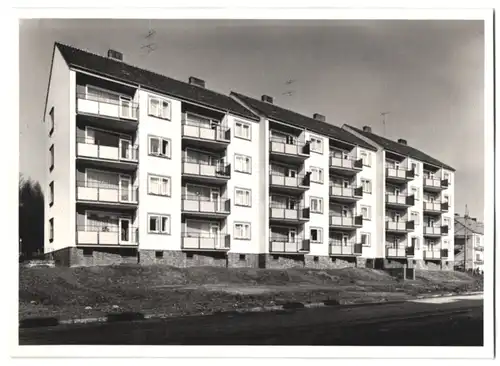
{"type": "Point", "coordinates": [469, 237]}
{"type": "Point", "coordinates": [147, 169]}
{"type": "Point", "coordinates": [416, 196]}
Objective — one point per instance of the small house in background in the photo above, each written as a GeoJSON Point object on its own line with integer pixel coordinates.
{"type": "Point", "coordinates": [469, 240]}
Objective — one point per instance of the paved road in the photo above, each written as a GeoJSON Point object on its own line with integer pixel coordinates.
{"type": "Point", "coordinates": [457, 323]}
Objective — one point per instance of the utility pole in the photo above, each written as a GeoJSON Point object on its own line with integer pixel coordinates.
{"type": "Point", "coordinates": [383, 114]}
{"type": "Point", "coordinates": [466, 219]}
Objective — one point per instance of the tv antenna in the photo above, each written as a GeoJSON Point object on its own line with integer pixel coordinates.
{"type": "Point", "coordinates": [288, 93]}
{"type": "Point", "coordinates": [384, 114]}
{"type": "Point", "coordinates": [150, 46]}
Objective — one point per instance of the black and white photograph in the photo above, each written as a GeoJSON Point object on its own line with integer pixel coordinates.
{"type": "Point", "coordinates": [265, 181]}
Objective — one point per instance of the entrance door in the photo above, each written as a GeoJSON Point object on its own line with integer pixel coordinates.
{"type": "Point", "coordinates": [345, 240]}
{"type": "Point", "coordinates": [125, 107]}
{"type": "Point", "coordinates": [126, 149]}
{"type": "Point", "coordinates": [292, 204]}
{"type": "Point", "coordinates": [292, 173]}
{"type": "Point", "coordinates": [215, 198]}
{"type": "Point", "coordinates": [214, 233]}
{"type": "Point", "coordinates": [125, 189]}
{"type": "Point", "coordinates": [125, 228]}
{"type": "Point", "coordinates": [396, 191]}
{"type": "Point", "coordinates": [292, 235]}
{"type": "Point", "coordinates": [396, 217]}
{"type": "Point", "coordinates": [290, 140]}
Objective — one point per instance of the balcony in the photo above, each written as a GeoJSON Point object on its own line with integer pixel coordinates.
{"type": "Point", "coordinates": [293, 153]}
{"type": "Point", "coordinates": [125, 156]}
{"type": "Point", "coordinates": [105, 195]}
{"type": "Point", "coordinates": [435, 185]}
{"type": "Point", "coordinates": [346, 194]}
{"type": "Point", "coordinates": [287, 246]}
{"type": "Point", "coordinates": [434, 254]}
{"type": "Point", "coordinates": [435, 231]}
{"type": "Point", "coordinates": [478, 261]}
{"type": "Point", "coordinates": [399, 201]}
{"type": "Point", "coordinates": [399, 226]}
{"type": "Point", "coordinates": [345, 222]}
{"type": "Point", "coordinates": [287, 215]}
{"type": "Point", "coordinates": [107, 236]}
{"type": "Point", "coordinates": [349, 249]}
{"type": "Point", "coordinates": [292, 185]}
{"type": "Point", "coordinates": [216, 136]}
{"type": "Point", "coordinates": [435, 207]}
{"type": "Point", "coordinates": [399, 175]}
{"type": "Point", "coordinates": [113, 115]}
{"type": "Point", "coordinates": [204, 206]}
{"type": "Point", "coordinates": [203, 172]}
{"type": "Point", "coordinates": [400, 252]}
{"type": "Point", "coordinates": [479, 248]}
{"type": "Point", "coordinates": [347, 166]}
{"type": "Point", "coordinates": [205, 242]}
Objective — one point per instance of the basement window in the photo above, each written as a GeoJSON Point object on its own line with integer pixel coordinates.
{"type": "Point", "coordinates": [242, 257]}
{"type": "Point", "coordinates": [159, 254]}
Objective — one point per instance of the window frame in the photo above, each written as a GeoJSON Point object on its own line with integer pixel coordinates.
{"type": "Point", "coordinates": [236, 156]}
{"type": "Point", "coordinates": [51, 229]}
{"type": "Point", "coordinates": [160, 218]}
{"type": "Point", "coordinates": [320, 202]}
{"type": "Point", "coordinates": [320, 172]}
{"type": "Point", "coordinates": [368, 209]}
{"type": "Point", "coordinates": [52, 120]}
{"type": "Point", "coordinates": [249, 138]}
{"type": "Point", "coordinates": [363, 180]}
{"type": "Point", "coordinates": [52, 157]}
{"type": "Point", "coordinates": [244, 190]}
{"type": "Point", "coordinates": [160, 139]}
{"type": "Point", "coordinates": [160, 177]}
{"type": "Point", "coordinates": [417, 221]}
{"type": "Point", "coordinates": [368, 155]}
{"type": "Point", "coordinates": [160, 101]}
{"type": "Point", "coordinates": [249, 230]}
{"type": "Point", "coordinates": [368, 235]}
{"type": "Point", "coordinates": [319, 231]}
{"type": "Point", "coordinates": [311, 144]}
{"type": "Point", "coordinates": [51, 194]}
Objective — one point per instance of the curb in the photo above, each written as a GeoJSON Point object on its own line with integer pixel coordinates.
{"type": "Point", "coordinates": [289, 306]}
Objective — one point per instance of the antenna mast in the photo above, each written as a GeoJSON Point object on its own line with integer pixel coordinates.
{"type": "Point", "coordinates": [383, 114]}
{"type": "Point", "coordinates": [466, 220]}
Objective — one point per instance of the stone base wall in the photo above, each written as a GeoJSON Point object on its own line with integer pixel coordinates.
{"type": "Point", "coordinates": [244, 260]}
{"type": "Point", "coordinates": [434, 265]}
{"type": "Point", "coordinates": [280, 261]}
{"type": "Point", "coordinates": [181, 259]}
{"type": "Point", "coordinates": [75, 257]}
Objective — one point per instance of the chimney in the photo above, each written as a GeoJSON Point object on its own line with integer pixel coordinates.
{"type": "Point", "coordinates": [319, 117]}
{"type": "Point", "coordinates": [115, 55]}
{"type": "Point", "coordinates": [196, 81]}
{"type": "Point", "coordinates": [267, 99]}
{"type": "Point", "coordinates": [367, 129]}
{"type": "Point", "coordinates": [474, 219]}
{"type": "Point", "coordinates": [402, 141]}
{"type": "Point", "coordinates": [457, 214]}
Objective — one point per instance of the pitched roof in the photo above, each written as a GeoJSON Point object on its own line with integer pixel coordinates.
{"type": "Point", "coordinates": [472, 226]}
{"type": "Point", "coordinates": [150, 80]}
{"type": "Point", "coordinates": [277, 113]}
{"type": "Point", "coordinates": [401, 149]}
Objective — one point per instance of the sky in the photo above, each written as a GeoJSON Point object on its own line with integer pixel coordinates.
{"type": "Point", "coordinates": [429, 74]}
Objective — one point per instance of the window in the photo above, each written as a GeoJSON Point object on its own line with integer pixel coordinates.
{"type": "Point", "coordinates": [447, 176]}
{"type": "Point", "coordinates": [316, 174]}
{"type": "Point", "coordinates": [366, 157]}
{"type": "Point", "coordinates": [159, 224]}
{"type": "Point", "coordinates": [51, 229]}
{"type": "Point", "coordinates": [316, 235]}
{"type": "Point", "coordinates": [414, 167]}
{"type": "Point", "coordinates": [51, 193]}
{"type": "Point", "coordinates": [478, 256]}
{"type": "Point", "coordinates": [366, 212]}
{"type": "Point", "coordinates": [159, 108]}
{"type": "Point", "coordinates": [415, 217]}
{"type": "Point", "coordinates": [317, 204]}
{"type": "Point", "coordinates": [415, 192]}
{"type": "Point", "coordinates": [51, 164]}
{"type": "Point", "coordinates": [242, 230]}
{"type": "Point", "coordinates": [415, 243]}
{"type": "Point", "coordinates": [478, 240]}
{"type": "Point", "coordinates": [243, 130]}
{"type": "Point", "coordinates": [446, 221]}
{"type": "Point", "coordinates": [159, 146]}
{"type": "Point", "coordinates": [243, 164]}
{"type": "Point", "coordinates": [159, 185]}
{"type": "Point", "coordinates": [317, 144]}
{"type": "Point", "coordinates": [365, 239]}
{"type": "Point", "coordinates": [52, 121]}
{"type": "Point", "coordinates": [243, 197]}
{"type": "Point", "coordinates": [446, 198]}
{"type": "Point", "coordinates": [367, 185]}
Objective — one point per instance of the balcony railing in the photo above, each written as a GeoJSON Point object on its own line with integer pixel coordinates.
{"type": "Point", "coordinates": [351, 248]}
{"type": "Point", "coordinates": [345, 221]}
{"type": "Point", "coordinates": [479, 248]}
{"type": "Point", "coordinates": [400, 252]}
{"type": "Point", "coordinates": [399, 173]}
{"type": "Point", "coordinates": [280, 245]}
{"type": "Point", "coordinates": [107, 235]}
{"type": "Point", "coordinates": [192, 203]}
{"type": "Point", "coordinates": [122, 109]}
{"type": "Point", "coordinates": [346, 192]}
{"type": "Point", "coordinates": [100, 192]}
{"type": "Point", "coordinates": [126, 152]}
{"type": "Point", "coordinates": [435, 254]}
{"type": "Point", "coordinates": [297, 213]}
{"type": "Point", "coordinates": [298, 148]}
{"type": "Point", "coordinates": [205, 241]}
{"type": "Point", "coordinates": [217, 132]}
{"type": "Point", "coordinates": [401, 226]}
{"type": "Point", "coordinates": [404, 200]}
{"type": "Point", "coordinates": [206, 170]}
{"type": "Point", "coordinates": [349, 162]}
{"type": "Point", "coordinates": [435, 183]}
{"type": "Point", "coordinates": [436, 230]}
{"type": "Point", "coordinates": [478, 261]}
{"type": "Point", "coordinates": [435, 206]}
{"type": "Point", "coordinates": [299, 181]}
